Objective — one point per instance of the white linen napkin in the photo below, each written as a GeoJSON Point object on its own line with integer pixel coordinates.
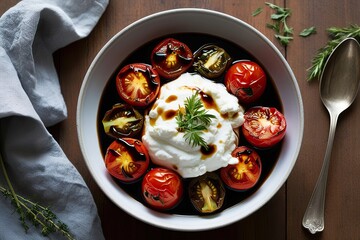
{"type": "Point", "coordinates": [31, 100]}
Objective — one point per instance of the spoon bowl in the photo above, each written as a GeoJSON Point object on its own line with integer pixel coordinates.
{"type": "Point", "coordinates": [339, 85]}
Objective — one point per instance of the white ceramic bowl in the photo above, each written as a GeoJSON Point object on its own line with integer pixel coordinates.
{"type": "Point", "coordinates": [200, 21]}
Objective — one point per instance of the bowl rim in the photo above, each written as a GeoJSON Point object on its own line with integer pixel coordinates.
{"type": "Point", "coordinates": [162, 219]}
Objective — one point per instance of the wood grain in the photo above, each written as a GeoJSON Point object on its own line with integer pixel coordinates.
{"type": "Point", "coordinates": [281, 217]}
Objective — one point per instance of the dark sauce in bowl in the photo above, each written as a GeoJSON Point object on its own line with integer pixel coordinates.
{"type": "Point", "coordinates": [194, 41]}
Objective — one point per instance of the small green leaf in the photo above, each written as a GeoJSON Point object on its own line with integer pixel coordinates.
{"type": "Point", "coordinates": [287, 30]}
{"type": "Point", "coordinates": [273, 6]}
{"type": "Point", "coordinates": [284, 40]}
{"type": "Point", "coordinates": [277, 16]}
{"type": "Point", "coordinates": [307, 32]}
{"type": "Point", "coordinates": [274, 27]}
{"type": "Point", "coordinates": [257, 11]}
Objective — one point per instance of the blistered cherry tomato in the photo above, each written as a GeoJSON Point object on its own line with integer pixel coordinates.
{"type": "Point", "coordinates": [162, 188]}
{"type": "Point", "coordinates": [211, 61]}
{"type": "Point", "coordinates": [138, 84]}
{"type": "Point", "coordinates": [122, 120]}
{"type": "Point", "coordinates": [171, 58]}
{"type": "Point", "coordinates": [127, 159]}
{"type": "Point", "coordinates": [264, 126]}
{"type": "Point", "coordinates": [246, 80]}
{"type": "Point", "coordinates": [207, 193]}
{"type": "Point", "coordinates": [245, 174]}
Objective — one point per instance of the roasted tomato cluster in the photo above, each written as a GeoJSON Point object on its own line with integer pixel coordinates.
{"type": "Point", "coordinates": [138, 85]}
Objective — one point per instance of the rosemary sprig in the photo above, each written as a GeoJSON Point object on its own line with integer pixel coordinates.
{"type": "Point", "coordinates": [336, 36]}
{"type": "Point", "coordinates": [193, 120]}
{"type": "Point", "coordinates": [283, 32]}
{"type": "Point", "coordinates": [33, 212]}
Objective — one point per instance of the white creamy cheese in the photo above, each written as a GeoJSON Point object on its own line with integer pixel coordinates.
{"type": "Point", "coordinates": [167, 146]}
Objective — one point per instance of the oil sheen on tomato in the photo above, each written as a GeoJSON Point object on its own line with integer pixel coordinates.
{"type": "Point", "coordinates": [194, 41]}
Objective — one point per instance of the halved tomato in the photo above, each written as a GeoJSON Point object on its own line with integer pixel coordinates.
{"type": "Point", "coordinates": [170, 58]}
{"type": "Point", "coordinates": [207, 193]}
{"type": "Point", "coordinates": [127, 159]}
{"type": "Point", "coordinates": [211, 60]}
{"type": "Point", "coordinates": [122, 120]}
{"type": "Point", "coordinates": [264, 126]}
{"type": "Point", "coordinates": [245, 174]}
{"type": "Point", "coordinates": [138, 84]}
{"type": "Point", "coordinates": [162, 188]}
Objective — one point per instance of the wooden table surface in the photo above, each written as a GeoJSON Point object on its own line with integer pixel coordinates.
{"type": "Point", "coordinates": [281, 217]}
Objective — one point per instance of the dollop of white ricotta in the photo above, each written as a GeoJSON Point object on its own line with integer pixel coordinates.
{"type": "Point", "coordinates": [167, 146]}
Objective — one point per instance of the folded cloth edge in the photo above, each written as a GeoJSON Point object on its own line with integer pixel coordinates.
{"type": "Point", "coordinates": [22, 111]}
{"type": "Point", "coordinates": [30, 32]}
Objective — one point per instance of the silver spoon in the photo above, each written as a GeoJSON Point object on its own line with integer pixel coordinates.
{"type": "Point", "coordinates": [339, 84]}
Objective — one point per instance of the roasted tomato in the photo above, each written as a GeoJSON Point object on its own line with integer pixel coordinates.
{"type": "Point", "coordinates": [162, 188]}
{"type": "Point", "coordinates": [171, 58]}
{"type": "Point", "coordinates": [246, 80]}
{"type": "Point", "coordinates": [207, 193]}
{"type": "Point", "coordinates": [138, 84]}
{"type": "Point", "coordinates": [264, 126]}
{"type": "Point", "coordinates": [211, 61]}
{"type": "Point", "coordinates": [246, 173]}
{"type": "Point", "coordinates": [127, 159]}
{"type": "Point", "coordinates": [122, 120]}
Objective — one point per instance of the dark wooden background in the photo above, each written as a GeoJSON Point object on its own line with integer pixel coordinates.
{"type": "Point", "coordinates": [281, 217]}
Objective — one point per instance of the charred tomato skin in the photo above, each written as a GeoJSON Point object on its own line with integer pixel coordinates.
{"type": "Point", "coordinates": [122, 120]}
{"type": "Point", "coordinates": [246, 80]}
{"type": "Point", "coordinates": [211, 61]}
{"type": "Point", "coordinates": [170, 58]}
{"type": "Point", "coordinates": [207, 193]}
{"type": "Point", "coordinates": [138, 84]}
{"type": "Point", "coordinates": [264, 127]}
{"type": "Point", "coordinates": [245, 174]}
{"type": "Point", "coordinates": [162, 188]}
{"type": "Point", "coordinates": [127, 159]}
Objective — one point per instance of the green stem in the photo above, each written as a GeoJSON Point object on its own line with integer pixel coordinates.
{"type": "Point", "coordinates": [34, 214]}
{"type": "Point", "coordinates": [13, 194]}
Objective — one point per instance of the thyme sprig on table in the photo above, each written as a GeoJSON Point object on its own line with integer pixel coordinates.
{"type": "Point", "coordinates": [283, 32]}
{"type": "Point", "coordinates": [193, 120]}
{"type": "Point", "coordinates": [336, 35]}
{"type": "Point", "coordinates": [38, 215]}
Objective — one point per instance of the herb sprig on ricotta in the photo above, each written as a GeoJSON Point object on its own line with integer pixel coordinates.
{"type": "Point", "coordinates": [193, 120]}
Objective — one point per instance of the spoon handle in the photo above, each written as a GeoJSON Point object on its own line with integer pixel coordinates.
{"type": "Point", "coordinates": [313, 218]}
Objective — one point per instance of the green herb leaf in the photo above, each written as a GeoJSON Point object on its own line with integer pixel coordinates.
{"type": "Point", "coordinates": [307, 32]}
{"type": "Point", "coordinates": [282, 31]}
{"type": "Point", "coordinates": [284, 40]}
{"type": "Point", "coordinates": [273, 6]}
{"type": "Point", "coordinates": [275, 27]}
{"type": "Point", "coordinates": [193, 120]}
{"type": "Point", "coordinates": [278, 16]}
{"type": "Point", "coordinates": [336, 35]}
{"type": "Point", "coordinates": [257, 11]}
{"type": "Point", "coordinates": [287, 30]}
